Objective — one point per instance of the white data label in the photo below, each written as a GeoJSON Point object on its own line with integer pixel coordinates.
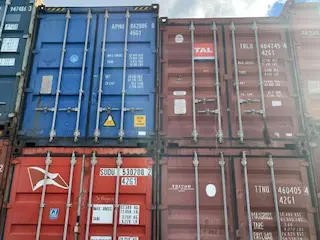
{"type": "Point", "coordinates": [128, 172]}
{"type": "Point", "coordinates": [128, 238]}
{"type": "Point", "coordinates": [276, 103]}
{"type": "Point", "coordinates": [10, 45]}
{"type": "Point", "coordinates": [101, 238]}
{"type": "Point", "coordinates": [180, 106]}
{"type": "Point", "coordinates": [129, 214]}
{"type": "Point", "coordinates": [7, 62]}
{"type": "Point", "coordinates": [129, 181]}
{"type": "Point", "coordinates": [11, 26]}
{"type": "Point", "coordinates": [102, 214]}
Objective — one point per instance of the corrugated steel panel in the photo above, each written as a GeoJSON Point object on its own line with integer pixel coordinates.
{"type": "Point", "coordinates": [304, 20]}
{"type": "Point", "coordinates": [236, 196]}
{"type": "Point", "coordinates": [263, 103]}
{"type": "Point", "coordinates": [69, 94]}
{"type": "Point", "coordinates": [15, 17]}
{"type": "Point", "coordinates": [75, 196]}
{"type": "Point", "coordinates": [193, 95]}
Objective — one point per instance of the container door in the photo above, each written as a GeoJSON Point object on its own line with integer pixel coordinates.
{"type": "Point", "coordinates": [123, 101]}
{"type": "Point", "coordinates": [263, 106]}
{"type": "Point", "coordinates": [64, 197]}
{"type": "Point", "coordinates": [14, 28]}
{"type": "Point", "coordinates": [274, 198]}
{"type": "Point", "coordinates": [195, 199]}
{"type": "Point", "coordinates": [192, 62]}
{"type": "Point", "coordinates": [57, 95]}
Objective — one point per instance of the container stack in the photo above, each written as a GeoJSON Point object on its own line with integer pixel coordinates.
{"type": "Point", "coordinates": [139, 127]}
{"type": "Point", "coordinates": [15, 39]}
{"type": "Point", "coordinates": [83, 149]}
{"type": "Point", "coordinates": [234, 159]}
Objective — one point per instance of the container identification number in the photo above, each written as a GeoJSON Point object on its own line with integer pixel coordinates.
{"type": "Point", "coordinates": [129, 181]}
{"type": "Point", "coordinates": [20, 9]}
{"type": "Point", "coordinates": [107, 172]}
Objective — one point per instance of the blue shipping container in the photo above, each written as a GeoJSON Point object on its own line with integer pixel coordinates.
{"type": "Point", "coordinates": [70, 97]}
{"type": "Point", "coordinates": [15, 17]}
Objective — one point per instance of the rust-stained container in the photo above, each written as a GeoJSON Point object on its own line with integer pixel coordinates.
{"type": "Point", "coordinates": [261, 83]}
{"type": "Point", "coordinates": [5, 151]}
{"type": "Point", "coordinates": [93, 193]}
{"type": "Point", "coordinates": [229, 195]}
{"type": "Point", "coordinates": [192, 93]}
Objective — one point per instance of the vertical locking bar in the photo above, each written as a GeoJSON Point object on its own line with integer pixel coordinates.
{"type": "Point", "coordinates": [77, 225]}
{"type": "Point", "coordinates": [194, 119]}
{"type": "Point", "coordinates": [196, 178]}
{"type": "Point", "coordinates": [103, 52]}
{"type": "Point", "coordinates": [222, 163]}
{"type": "Point", "coordinates": [255, 29]}
{"type": "Point", "coordinates": [58, 90]}
{"type": "Point", "coordinates": [220, 133]}
{"type": "Point", "coordinates": [73, 162]}
{"type": "Point", "coordinates": [119, 162]}
{"type": "Point", "coordinates": [123, 92]}
{"type": "Point", "coordinates": [8, 3]}
{"type": "Point", "coordinates": [275, 196]}
{"type": "Point", "coordinates": [235, 62]}
{"type": "Point", "coordinates": [81, 91]}
{"type": "Point", "coordinates": [245, 172]}
{"type": "Point", "coordinates": [93, 164]}
{"type": "Point", "coordinates": [43, 194]}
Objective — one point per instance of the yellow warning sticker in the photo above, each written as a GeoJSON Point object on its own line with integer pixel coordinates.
{"type": "Point", "coordinates": [140, 121]}
{"type": "Point", "coordinates": [109, 122]}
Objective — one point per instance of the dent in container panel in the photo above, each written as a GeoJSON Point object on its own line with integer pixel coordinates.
{"type": "Point", "coordinates": [72, 188]}
{"type": "Point", "coordinates": [262, 102]}
{"type": "Point", "coordinates": [274, 189]}
{"type": "Point", "coordinates": [192, 63]}
{"type": "Point", "coordinates": [14, 31]}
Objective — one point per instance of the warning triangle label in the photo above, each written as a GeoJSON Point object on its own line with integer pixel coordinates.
{"type": "Point", "coordinates": [109, 122]}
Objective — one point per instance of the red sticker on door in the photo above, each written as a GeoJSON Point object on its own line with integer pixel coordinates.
{"type": "Point", "coordinates": [204, 51]}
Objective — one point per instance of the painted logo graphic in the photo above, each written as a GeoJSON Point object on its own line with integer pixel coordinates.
{"type": "Point", "coordinates": [204, 51]}
{"type": "Point", "coordinates": [54, 213]}
{"type": "Point", "coordinates": [36, 176]}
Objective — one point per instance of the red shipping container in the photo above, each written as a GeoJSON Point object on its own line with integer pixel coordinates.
{"type": "Point", "coordinates": [207, 194]}
{"type": "Point", "coordinates": [88, 193]}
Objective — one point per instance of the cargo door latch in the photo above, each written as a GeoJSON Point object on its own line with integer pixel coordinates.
{"type": "Point", "coordinates": [249, 100]}
{"type": "Point", "coordinates": [204, 100]}
{"type": "Point", "coordinates": [208, 111]}
{"type": "Point", "coordinates": [132, 109]}
{"type": "Point", "coordinates": [68, 109]}
{"type": "Point", "coordinates": [254, 111]}
{"type": "Point", "coordinates": [108, 109]}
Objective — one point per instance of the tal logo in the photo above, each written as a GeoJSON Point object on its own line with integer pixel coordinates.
{"type": "Point", "coordinates": [36, 176]}
{"type": "Point", "coordinates": [204, 51]}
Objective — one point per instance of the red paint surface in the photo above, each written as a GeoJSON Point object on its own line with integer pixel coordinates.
{"type": "Point", "coordinates": [24, 202]}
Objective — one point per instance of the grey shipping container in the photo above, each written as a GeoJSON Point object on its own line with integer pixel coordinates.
{"type": "Point", "coordinates": [15, 39]}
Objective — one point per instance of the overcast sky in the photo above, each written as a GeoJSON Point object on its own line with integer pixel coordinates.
{"type": "Point", "coordinates": [185, 8]}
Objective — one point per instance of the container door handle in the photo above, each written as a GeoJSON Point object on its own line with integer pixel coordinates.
{"type": "Point", "coordinates": [217, 83]}
{"type": "Point", "coordinates": [194, 118]}
{"type": "Point", "coordinates": [100, 91]}
{"type": "Point", "coordinates": [3, 103]}
{"type": "Point", "coordinates": [263, 105]}
{"type": "Point", "coordinates": [222, 163]}
{"type": "Point", "coordinates": [246, 183]}
{"type": "Point", "coordinates": [93, 164]}
{"type": "Point", "coordinates": [235, 62]}
{"type": "Point", "coordinates": [48, 162]}
{"type": "Point", "coordinates": [76, 133]}
{"type": "Point", "coordinates": [270, 163]}
{"type": "Point", "coordinates": [123, 92]}
{"type": "Point", "coordinates": [58, 90]}
{"type": "Point", "coordinates": [73, 162]}
{"type": "Point", "coordinates": [119, 162]}
{"type": "Point", "coordinates": [196, 178]}
{"type": "Point", "coordinates": [8, 3]}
